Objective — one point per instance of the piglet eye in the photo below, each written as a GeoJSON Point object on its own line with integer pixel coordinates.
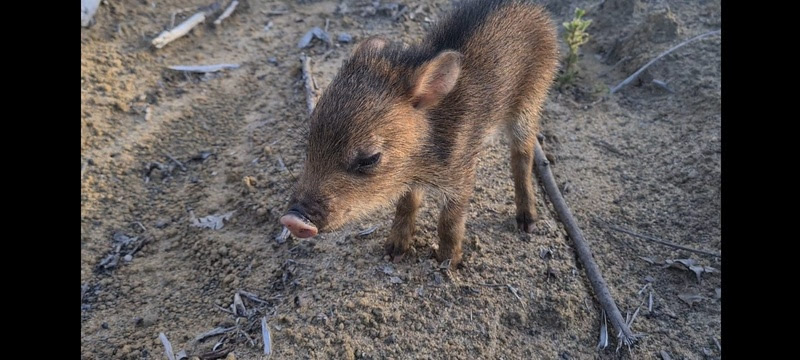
{"type": "Point", "coordinates": [366, 163]}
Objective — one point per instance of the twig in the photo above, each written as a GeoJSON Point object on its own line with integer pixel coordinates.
{"type": "Point", "coordinates": [180, 164]}
{"type": "Point", "coordinates": [88, 8]}
{"type": "Point", "coordinates": [308, 80]}
{"type": "Point", "coordinates": [219, 343]}
{"type": "Point", "coordinates": [605, 145]}
{"type": "Point", "coordinates": [246, 336]}
{"type": "Point", "coordinates": [140, 245]}
{"type": "Point", "coordinates": [494, 285]}
{"type": "Point", "coordinates": [167, 346]}
{"type": "Point", "coordinates": [203, 68]}
{"type": "Point", "coordinates": [140, 225]}
{"type": "Point", "coordinates": [635, 313]}
{"type": "Point", "coordinates": [510, 288]}
{"type": "Point", "coordinates": [643, 68]}
{"type": "Point", "coordinates": [215, 354]}
{"type": "Point", "coordinates": [513, 290]}
{"type": "Point", "coordinates": [213, 332]}
{"type": "Point", "coordinates": [228, 11]}
{"type": "Point", "coordinates": [644, 288]}
{"type": "Point", "coordinates": [584, 253]}
{"type": "Point", "coordinates": [255, 297]}
{"type": "Point", "coordinates": [367, 231]}
{"type": "Point", "coordinates": [169, 36]}
{"type": "Point", "coordinates": [659, 241]}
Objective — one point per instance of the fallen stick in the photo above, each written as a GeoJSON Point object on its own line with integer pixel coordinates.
{"type": "Point", "coordinates": [169, 36]}
{"type": "Point", "coordinates": [180, 164]}
{"type": "Point", "coordinates": [228, 11]}
{"type": "Point", "coordinates": [659, 241]}
{"type": "Point", "coordinates": [88, 8]}
{"type": "Point", "coordinates": [203, 68]}
{"type": "Point", "coordinates": [308, 80]}
{"type": "Point", "coordinates": [584, 253]}
{"type": "Point", "coordinates": [643, 68]}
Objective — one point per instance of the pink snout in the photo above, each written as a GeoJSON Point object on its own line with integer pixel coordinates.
{"type": "Point", "coordinates": [299, 227]}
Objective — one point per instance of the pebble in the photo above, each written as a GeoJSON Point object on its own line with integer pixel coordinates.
{"type": "Point", "coordinates": [344, 38]}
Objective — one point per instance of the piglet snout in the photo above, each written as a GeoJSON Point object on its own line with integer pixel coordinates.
{"type": "Point", "coordinates": [298, 225]}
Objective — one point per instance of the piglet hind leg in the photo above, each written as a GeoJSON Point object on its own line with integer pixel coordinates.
{"type": "Point", "coordinates": [522, 131]}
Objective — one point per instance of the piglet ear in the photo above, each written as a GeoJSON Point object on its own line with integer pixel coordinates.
{"type": "Point", "coordinates": [372, 43]}
{"type": "Point", "coordinates": [435, 79]}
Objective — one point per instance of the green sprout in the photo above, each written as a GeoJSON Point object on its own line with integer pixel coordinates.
{"type": "Point", "coordinates": [575, 36]}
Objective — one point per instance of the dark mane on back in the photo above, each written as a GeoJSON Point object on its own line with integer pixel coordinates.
{"type": "Point", "coordinates": [451, 33]}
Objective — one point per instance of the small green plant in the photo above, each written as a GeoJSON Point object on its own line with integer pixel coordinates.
{"type": "Point", "coordinates": [575, 36]}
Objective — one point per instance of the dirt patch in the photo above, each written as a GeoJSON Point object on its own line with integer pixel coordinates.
{"type": "Point", "coordinates": [160, 149]}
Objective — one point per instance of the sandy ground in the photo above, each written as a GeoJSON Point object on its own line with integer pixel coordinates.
{"type": "Point", "coordinates": [160, 148]}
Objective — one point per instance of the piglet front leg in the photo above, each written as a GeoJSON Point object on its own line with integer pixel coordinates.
{"type": "Point", "coordinates": [403, 227]}
{"type": "Point", "coordinates": [452, 223]}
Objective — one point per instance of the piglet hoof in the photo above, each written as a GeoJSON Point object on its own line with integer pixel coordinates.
{"type": "Point", "coordinates": [453, 256]}
{"type": "Point", "coordinates": [526, 219]}
{"type": "Point", "coordinates": [396, 250]}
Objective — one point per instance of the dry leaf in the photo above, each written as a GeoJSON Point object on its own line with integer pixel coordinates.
{"type": "Point", "coordinates": [691, 298]}
{"type": "Point", "coordinates": [315, 32]}
{"type": "Point", "coordinates": [214, 222]}
{"type": "Point", "coordinates": [238, 305]}
{"type": "Point", "coordinates": [267, 337]}
{"type": "Point", "coordinates": [649, 260]}
{"type": "Point", "coordinates": [603, 333]}
{"type": "Point", "coordinates": [367, 231]}
{"type": "Point", "coordinates": [387, 269]}
{"type": "Point", "coordinates": [689, 264]}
